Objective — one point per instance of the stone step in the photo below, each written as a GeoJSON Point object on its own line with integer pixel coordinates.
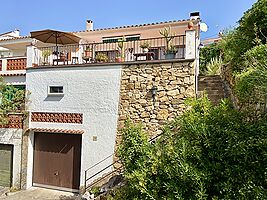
{"type": "Point", "coordinates": [209, 79]}
{"type": "Point", "coordinates": [213, 86]}
{"type": "Point", "coordinates": [209, 82]}
{"type": "Point", "coordinates": [210, 87]}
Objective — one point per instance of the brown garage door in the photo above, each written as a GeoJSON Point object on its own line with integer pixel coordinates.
{"type": "Point", "coordinates": [6, 154]}
{"type": "Point", "coordinates": [57, 159]}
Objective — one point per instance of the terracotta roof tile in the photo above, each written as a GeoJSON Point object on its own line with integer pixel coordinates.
{"type": "Point", "coordinates": [15, 38]}
{"type": "Point", "coordinates": [136, 25]}
{"type": "Point", "coordinates": [49, 130]}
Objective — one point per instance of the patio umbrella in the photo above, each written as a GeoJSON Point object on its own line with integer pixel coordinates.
{"type": "Point", "coordinates": [55, 37]}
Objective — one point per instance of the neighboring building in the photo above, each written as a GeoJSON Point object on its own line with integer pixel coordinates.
{"type": "Point", "coordinates": [13, 71]}
{"type": "Point", "coordinates": [210, 41]}
{"type": "Point", "coordinates": [78, 104]}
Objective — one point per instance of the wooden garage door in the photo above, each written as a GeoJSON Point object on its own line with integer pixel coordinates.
{"type": "Point", "coordinates": [57, 160]}
{"type": "Point", "coordinates": [6, 157]}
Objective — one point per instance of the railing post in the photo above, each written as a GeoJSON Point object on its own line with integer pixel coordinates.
{"type": "Point", "coordinates": [190, 46]}
{"type": "Point", "coordinates": [31, 56]}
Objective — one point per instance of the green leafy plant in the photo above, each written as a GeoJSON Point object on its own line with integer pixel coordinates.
{"type": "Point", "coordinates": [168, 35]}
{"type": "Point", "coordinates": [210, 152]}
{"type": "Point", "coordinates": [101, 57]}
{"type": "Point", "coordinates": [145, 45]}
{"type": "Point", "coordinates": [214, 66]}
{"type": "Point", "coordinates": [11, 100]}
{"type": "Point", "coordinates": [207, 54]}
{"type": "Point", "coordinates": [121, 47]}
{"type": "Point", "coordinates": [46, 53]}
{"type": "Point", "coordinates": [95, 191]}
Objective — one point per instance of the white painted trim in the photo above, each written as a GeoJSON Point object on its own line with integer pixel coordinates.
{"type": "Point", "coordinates": [190, 47]}
{"type": "Point", "coordinates": [30, 160]}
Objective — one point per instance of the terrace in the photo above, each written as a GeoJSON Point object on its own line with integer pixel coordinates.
{"type": "Point", "coordinates": [119, 51]}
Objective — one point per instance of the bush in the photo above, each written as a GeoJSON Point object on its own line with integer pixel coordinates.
{"type": "Point", "coordinates": [207, 54]}
{"type": "Point", "coordinates": [207, 153]}
{"type": "Point", "coordinates": [214, 66]}
{"type": "Point", "coordinates": [251, 83]}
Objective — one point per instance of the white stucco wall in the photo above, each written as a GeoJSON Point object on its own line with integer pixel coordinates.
{"type": "Point", "coordinates": [15, 80]}
{"type": "Point", "coordinates": [13, 137]}
{"type": "Point", "coordinates": [93, 91]}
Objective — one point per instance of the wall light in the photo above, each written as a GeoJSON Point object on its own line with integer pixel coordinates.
{"type": "Point", "coordinates": [154, 90]}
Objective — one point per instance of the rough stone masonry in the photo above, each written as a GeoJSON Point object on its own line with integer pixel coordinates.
{"type": "Point", "coordinates": [175, 81]}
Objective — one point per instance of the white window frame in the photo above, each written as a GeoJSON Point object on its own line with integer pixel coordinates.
{"type": "Point", "coordinates": [55, 94]}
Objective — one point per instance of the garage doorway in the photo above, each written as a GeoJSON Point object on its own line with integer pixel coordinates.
{"type": "Point", "coordinates": [57, 161]}
{"type": "Point", "coordinates": [6, 165]}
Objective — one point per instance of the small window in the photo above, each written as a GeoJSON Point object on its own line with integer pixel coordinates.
{"type": "Point", "coordinates": [55, 90]}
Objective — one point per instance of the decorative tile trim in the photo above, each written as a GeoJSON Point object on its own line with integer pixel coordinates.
{"type": "Point", "coordinates": [14, 121]}
{"type": "Point", "coordinates": [16, 64]}
{"type": "Point", "coordinates": [16, 74]}
{"type": "Point", "coordinates": [48, 130]}
{"type": "Point", "coordinates": [74, 118]}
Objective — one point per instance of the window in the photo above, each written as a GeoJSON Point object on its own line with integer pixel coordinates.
{"type": "Point", "coordinates": [55, 90]}
{"type": "Point", "coordinates": [128, 38]}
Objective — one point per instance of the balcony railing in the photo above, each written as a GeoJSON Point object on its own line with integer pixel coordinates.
{"type": "Point", "coordinates": [13, 64]}
{"type": "Point", "coordinates": [113, 52]}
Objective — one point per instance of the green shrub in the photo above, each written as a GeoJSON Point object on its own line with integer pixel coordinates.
{"type": "Point", "coordinates": [251, 83]}
{"type": "Point", "coordinates": [210, 152]}
{"type": "Point", "coordinates": [207, 54]}
{"type": "Point", "coordinates": [214, 66]}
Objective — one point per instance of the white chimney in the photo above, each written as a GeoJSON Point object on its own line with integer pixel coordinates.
{"type": "Point", "coordinates": [17, 33]}
{"type": "Point", "coordinates": [89, 25]}
{"type": "Point", "coordinates": [194, 16]}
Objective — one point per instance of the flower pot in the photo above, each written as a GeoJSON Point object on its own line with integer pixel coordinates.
{"type": "Point", "coordinates": [87, 53]}
{"type": "Point", "coordinates": [145, 50]}
{"type": "Point", "coordinates": [169, 56]}
{"type": "Point", "coordinates": [119, 59]}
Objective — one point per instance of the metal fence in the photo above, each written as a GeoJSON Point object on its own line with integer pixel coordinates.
{"type": "Point", "coordinates": [112, 52]}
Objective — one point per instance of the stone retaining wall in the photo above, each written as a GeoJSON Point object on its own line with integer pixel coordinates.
{"type": "Point", "coordinates": [174, 81]}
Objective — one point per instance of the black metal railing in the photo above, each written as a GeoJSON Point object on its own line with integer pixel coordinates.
{"type": "Point", "coordinates": [112, 52]}
{"type": "Point", "coordinates": [100, 175]}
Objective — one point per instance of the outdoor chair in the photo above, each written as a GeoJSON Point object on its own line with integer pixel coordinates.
{"type": "Point", "coordinates": [62, 58]}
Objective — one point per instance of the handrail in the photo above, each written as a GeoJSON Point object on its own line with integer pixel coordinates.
{"type": "Point", "coordinates": [99, 162]}
{"type": "Point", "coordinates": [111, 52]}
{"type": "Point", "coordinates": [106, 167]}
{"type": "Point", "coordinates": [98, 43]}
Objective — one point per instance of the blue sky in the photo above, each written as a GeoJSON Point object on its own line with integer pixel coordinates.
{"type": "Point", "coordinates": [29, 15]}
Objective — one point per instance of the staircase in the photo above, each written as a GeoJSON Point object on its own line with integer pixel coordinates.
{"type": "Point", "coordinates": [107, 181]}
{"type": "Point", "coordinates": [214, 87]}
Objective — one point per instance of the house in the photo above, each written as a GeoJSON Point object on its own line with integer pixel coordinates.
{"type": "Point", "coordinates": [78, 103]}
{"type": "Point", "coordinates": [13, 71]}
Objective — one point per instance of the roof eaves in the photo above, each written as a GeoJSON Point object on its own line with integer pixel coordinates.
{"type": "Point", "coordinates": [132, 26]}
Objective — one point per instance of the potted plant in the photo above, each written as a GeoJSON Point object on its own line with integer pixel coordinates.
{"type": "Point", "coordinates": [170, 49]}
{"type": "Point", "coordinates": [119, 58]}
{"type": "Point", "coordinates": [171, 52]}
{"type": "Point", "coordinates": [144, 46]}
{"type": "Point", "coordinates": [46, 53]}
{"type": "Point", "coordinates": [88, 52]}
{"type": "Point", "coordinates": [101, 57]}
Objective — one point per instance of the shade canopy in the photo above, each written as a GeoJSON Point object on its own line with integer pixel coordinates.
{"type": "Point", "coordinates": [55, 37]}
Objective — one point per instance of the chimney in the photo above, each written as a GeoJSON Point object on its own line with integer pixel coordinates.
{"type": "Point", "coordinates": [89, 25]}
{"type": "Point", "coordinates": [194, 15]}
